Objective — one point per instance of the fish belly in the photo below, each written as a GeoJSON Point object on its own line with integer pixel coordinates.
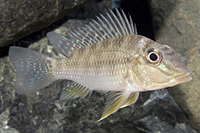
{"type": "Point", "coordinates": [96, 73]}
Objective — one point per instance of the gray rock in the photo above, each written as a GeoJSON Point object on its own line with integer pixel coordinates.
{"type": "Point", "coordinates": [42, 111]}
{"type": "Point", "coordinates": [21, 18]}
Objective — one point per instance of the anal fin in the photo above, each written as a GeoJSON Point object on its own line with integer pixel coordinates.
{"type": "Point", "coordinates": [73, 91]}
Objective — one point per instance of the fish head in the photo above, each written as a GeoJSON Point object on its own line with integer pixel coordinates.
{"type": "Point", "coordinates": [158, 67]}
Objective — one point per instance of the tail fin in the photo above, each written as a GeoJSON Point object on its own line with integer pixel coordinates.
{"type": "Point", "coordinates": [34, 70]}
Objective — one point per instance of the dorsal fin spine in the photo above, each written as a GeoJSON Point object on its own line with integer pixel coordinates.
{"type": "Point", "coordinates": [97, 31]}
{"type": "Point", "coordinates": [108, 24]}
{"type": "Point", "coordinates": [92, 24]}
{"type": "Point", "coordinates": [94, 38]}
{"type": "Point", "coordinates": [72, 41]}
{"type": "Point", "coordinates": [102, 25]}
{"type": "Point", "coordinates": [111, 18]}
{"type": "Point", "coordinates": [120, 25]}
{"type": "Point", "coordinates": [115, 27]}
{"type": "Point", "coordinates": [88, 35]}
{"type": "Point", "coordinates": [78, 36]}
{"type": "Point", "coordinates": [123, 23]}
{"type": "Point", "coordinates": [131, 24]}
{"type": "Point", "coordinates": [81, 37]}
{"type": "Point", "coordinates": [69, 43]}
{"type": "Point", "coordinates": [127, 22]}
{"type": "Point", "coordinates": [74, 36]}
{"type": "Point", "coordinates": [99, 26]}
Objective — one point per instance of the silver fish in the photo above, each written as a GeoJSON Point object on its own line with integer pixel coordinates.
{"type": "Point", "coordinates": [105, 55]}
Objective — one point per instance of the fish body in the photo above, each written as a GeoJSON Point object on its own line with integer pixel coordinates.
{"type": "Point", "coordinates": [106, 55]}
{"type": "Point", "coordinates": [102, 66]}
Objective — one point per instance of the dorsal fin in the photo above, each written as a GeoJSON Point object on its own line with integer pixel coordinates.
{"type": "Point", "coordinates": [105, 27]}
{"type": "Point", "coordinates": [61, 44]}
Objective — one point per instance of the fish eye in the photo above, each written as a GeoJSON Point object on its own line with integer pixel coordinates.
{"type": "Point", "coordinates": [153, 56]}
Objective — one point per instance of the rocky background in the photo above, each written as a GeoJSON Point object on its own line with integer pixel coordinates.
{"type": "Point", "coordinates": [22, 17]}
{"type": "Point", "coordinates": [177, 23]}
{"type": "Point", "coordinates": [172, 22]}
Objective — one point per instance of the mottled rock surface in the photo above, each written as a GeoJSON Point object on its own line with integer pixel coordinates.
{"type": "Point", "coordinates": [177, 24]}
{"type": "Point", "coordinates": [22, 17]}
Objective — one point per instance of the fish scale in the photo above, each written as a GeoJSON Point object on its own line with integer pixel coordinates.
{"type": "Point", "coordinates": [97, 65]}
{"type": "Point", "coordinates": [105, 55]}
{"type": "Point", "coordinates": [98, 60]}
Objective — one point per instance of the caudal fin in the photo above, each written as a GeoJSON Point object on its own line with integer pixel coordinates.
{"type": "Point", "coordinates": [33, 70]}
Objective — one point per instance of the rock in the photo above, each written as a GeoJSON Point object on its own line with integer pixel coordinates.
{"type": "Point", "coordinates": [40, 112]}
{"type": "Point", "coordinates": [43, 112]}
{"type": "Point", "coordinates": [21, 18]}
{"type": "Point", "coordinates": [177, 24]}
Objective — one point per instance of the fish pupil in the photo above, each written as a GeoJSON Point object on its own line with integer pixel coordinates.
{"type": "Point", "coordinates": [153, 57]}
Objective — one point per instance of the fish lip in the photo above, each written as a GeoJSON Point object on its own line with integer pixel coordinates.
{"type": "Point", "coordinates": [183, 77]}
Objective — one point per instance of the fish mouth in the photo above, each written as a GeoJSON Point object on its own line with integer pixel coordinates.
{"type": "Point", "coordinates": [181, 78]}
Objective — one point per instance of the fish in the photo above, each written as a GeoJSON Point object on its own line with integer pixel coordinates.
{"type": "Point", "coordinates": [105, 55]}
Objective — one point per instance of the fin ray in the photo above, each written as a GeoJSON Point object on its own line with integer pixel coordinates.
{"type": "Point", "coordinates": [63, 45]}
{"type": "Point", "coordinates": [107, 26]}
{"type": "Point", "coordinates": [115, 29]}
{"type": "Point", "coordinates": [117, 100]}
{"type": "Point", "coordinates": [113, 103]}
{"type": "Point", "coordinates": [74, 90]}
{"type": "Point", "coordinates": [33, 70]}
{"type": "Point", "coordinates": [131, 99]}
